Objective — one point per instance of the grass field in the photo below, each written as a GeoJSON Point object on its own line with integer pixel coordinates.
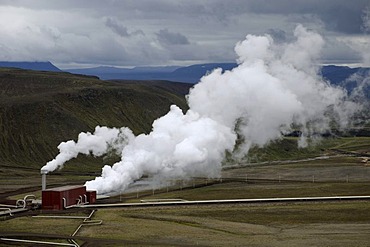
{"type": "Point", "coordinates": [280, 224]}
{"type": "Point", "coordinates": [328, 224]}
{"type": "Point", "coordinates": [309, 224]}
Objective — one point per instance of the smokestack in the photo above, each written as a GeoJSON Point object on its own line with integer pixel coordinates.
{"type": "Point", "coordinates": [43, 179]}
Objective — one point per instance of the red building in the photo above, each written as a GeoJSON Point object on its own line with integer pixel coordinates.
{"type": "Point", "coordinates": [91, 196]}
{"type": "Point", "coordinates": [63, 197]}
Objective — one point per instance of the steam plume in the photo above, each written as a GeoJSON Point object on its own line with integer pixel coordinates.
{"type": "Point", "coordinates": [97, 144]}
{"type": "Point", "coordinates": [273, 88]}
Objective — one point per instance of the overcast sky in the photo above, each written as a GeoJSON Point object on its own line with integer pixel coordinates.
{"type": "Point", "coordinates": [86, 33]}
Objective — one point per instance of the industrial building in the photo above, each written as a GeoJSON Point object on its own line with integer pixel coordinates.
{"type": "Point", "coordinates": [66, 196]}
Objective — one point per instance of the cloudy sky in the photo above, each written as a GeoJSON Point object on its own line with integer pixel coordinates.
{"type": "Point", "coordinates": [86, 33]}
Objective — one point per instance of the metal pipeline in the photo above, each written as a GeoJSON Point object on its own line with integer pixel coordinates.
{"type": "Point", "coordinates": [21, 203]}
{"type": "Point", "coordinates": [7, 210]}
{"type": "Point", "coordinates": [36, 242]}
{"type": "Point", "coordinates": [71, 206]}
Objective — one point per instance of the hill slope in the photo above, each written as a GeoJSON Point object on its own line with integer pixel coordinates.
{"type": "Point", "coordinates": [41, 66]}
{"type": "Point", "coordinates": [38, 110]}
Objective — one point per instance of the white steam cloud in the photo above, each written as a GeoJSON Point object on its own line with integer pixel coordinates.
{"type": "Point", "coordinates": [274, 88]}
{"type": "Point", "coordinates": [99, 143]}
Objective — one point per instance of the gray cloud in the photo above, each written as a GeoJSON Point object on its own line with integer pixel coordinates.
{"type": "Point", "coordinates": [278, 35]}
{"type": "Point", "coordinates": [120, 29]}
{"type": "Point", "coordinates": [366, 20]}
{"type": "Point", "coordinates": [336, 51]}
{"type": "Point", "coordinates": [147, 32]}
{"type": "Point", "coordinates": [170, 38]}
{"type": "Point", "coordinates": [337, 15]}
{"type": "Point", "coordinates": [116, 27]}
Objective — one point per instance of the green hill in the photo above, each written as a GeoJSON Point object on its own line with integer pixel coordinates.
{"type": "Point", "coordinates": [38, 110]}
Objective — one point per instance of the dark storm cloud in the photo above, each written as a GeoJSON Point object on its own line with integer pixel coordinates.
{"type": "Point", "coordinates": [120, 29]}
{"type": "Point", "coordinates": [116, 27]}
{"type": "Point", "coordinates": [170, 38]}
{"type": "Point", "coordinates": [337, 15]}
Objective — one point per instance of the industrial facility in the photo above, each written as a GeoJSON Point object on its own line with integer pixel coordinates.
{"type": "Point", "coordinates": [58, 198]}
{"type": "Point", "coordinates": [65, 197]}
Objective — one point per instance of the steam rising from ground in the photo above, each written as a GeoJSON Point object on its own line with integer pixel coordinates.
{"type": "Point", "coordinates": [274, 88]}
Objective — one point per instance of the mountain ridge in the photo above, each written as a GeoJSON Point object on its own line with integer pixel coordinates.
{"type": "Point", "coordinates": [343, 76]}
{"type": "Point", "coordinates": [39, 66]}
{"type": "Point", "coordinates": [335, 74]}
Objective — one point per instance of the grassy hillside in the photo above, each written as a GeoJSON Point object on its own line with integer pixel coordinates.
{"type": "Point", "coordinates": [38, 110]}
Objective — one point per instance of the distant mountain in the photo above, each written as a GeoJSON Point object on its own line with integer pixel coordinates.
{"type": "Point", "coordinates": [188, 74]}
{"type": "Point", "coordinates": [40, 66]}
{"type": "Point", "coordinates": [136, 73]}
{"type": "Point", "coordinates": [336, 75]}
{"type": "Point", "coordinates": [193, 73]}
{"type": "Point", "coordinates": [349, 79]}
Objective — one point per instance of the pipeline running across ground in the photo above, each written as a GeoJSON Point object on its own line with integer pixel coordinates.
{"type": "Point", "coordinates": [229, 201]}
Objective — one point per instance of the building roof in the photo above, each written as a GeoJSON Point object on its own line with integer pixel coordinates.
{"type": "Point", "coordinates": [67, 187]}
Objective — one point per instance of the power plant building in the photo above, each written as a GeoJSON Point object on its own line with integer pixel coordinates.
{"type": "Point", "coordinates": [66, 196]}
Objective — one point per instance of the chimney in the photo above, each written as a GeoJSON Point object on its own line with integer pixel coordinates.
{"type": "Point", "coordinates": [43, 179]}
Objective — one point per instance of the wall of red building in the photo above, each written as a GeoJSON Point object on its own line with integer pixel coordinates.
{"type": "Point", "coordinates": [52, 199]}
{"type": "Point", "coordinates": [91, 196]}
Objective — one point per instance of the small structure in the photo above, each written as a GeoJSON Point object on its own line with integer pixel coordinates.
{"type": "Point", "coordinates": [91, 196]}
{"type": "Point", "coordinates": [66, 196]}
